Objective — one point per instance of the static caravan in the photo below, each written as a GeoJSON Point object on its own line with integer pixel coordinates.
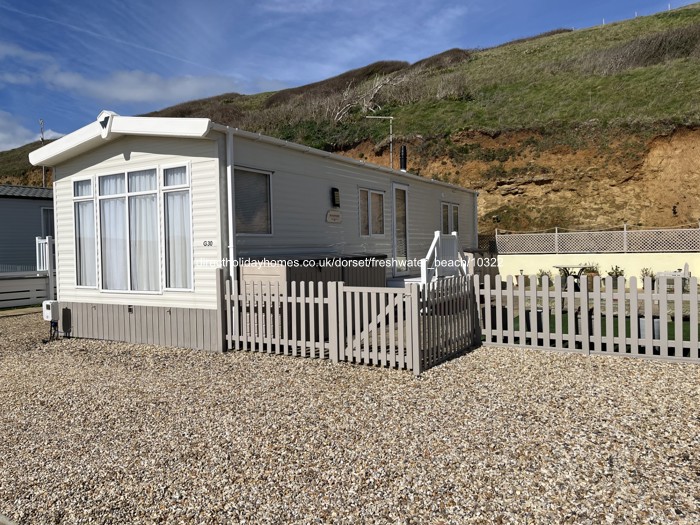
{"type": "Point", "coordinates": [30, 212]}
{"type": "Point", "coordinates": [148, 208]}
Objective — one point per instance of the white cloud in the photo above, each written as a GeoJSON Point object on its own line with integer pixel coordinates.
{"type": "Point", "coordinates": [9, 50]}
{"type": "Point", "coordinates": [16, 78]}
{"type": "Point", "coordinates": [139, 86]}
{"type": "Point", "coordinates": [296, 6]}
{"type": "Point", "coordinates": [24, 67]}
{"type": "Point", "coordinates": [13, 134]}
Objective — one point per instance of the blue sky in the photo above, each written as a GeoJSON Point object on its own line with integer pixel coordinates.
{"type": "Point", "coordinates": [64, 62]}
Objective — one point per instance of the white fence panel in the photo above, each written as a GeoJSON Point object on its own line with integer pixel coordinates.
{"type": "Point", "coordinates": [614, 318]}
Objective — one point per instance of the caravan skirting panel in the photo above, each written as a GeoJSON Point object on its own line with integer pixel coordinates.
{"type": "Point", "coordinates": [180, 327]}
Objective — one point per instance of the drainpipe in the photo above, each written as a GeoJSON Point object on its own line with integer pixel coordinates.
{"type": "Point", "coordinates": [230, 200]}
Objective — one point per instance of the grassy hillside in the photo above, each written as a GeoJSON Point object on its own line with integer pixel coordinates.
{"type": "Point", "coordinates": [637, 73]}
{"type": "Point", "coordinates": [555, 130]}
{"type": "Point", "coordinates": [15, 167]}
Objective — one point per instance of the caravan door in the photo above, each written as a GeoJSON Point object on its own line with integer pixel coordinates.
{"type": "Point", "coordinates": [400, 229]}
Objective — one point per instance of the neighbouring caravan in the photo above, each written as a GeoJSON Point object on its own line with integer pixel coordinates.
{"type": "Point", "coordinates": [29, 211]}
{"type": "Point", "coordinates": [147, 209]}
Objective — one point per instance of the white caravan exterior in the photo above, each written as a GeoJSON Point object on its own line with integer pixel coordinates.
{"type": "Point", "coordinates": [123, 185]}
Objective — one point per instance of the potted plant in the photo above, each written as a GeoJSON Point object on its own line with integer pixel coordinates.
{"type": "Point", "coordinates": [616, 272]}
{"type": "Point", "coordinates": [592, 270]}
{"type": "Point", "coordinates": [648, 272]}
{"type": "Point", "coordinates": [542, 273]}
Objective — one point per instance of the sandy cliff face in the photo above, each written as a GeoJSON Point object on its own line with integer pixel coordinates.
{"type": "Point", "coordinates": [528, 182]}
{"type": "Point", "coordinates": [670, 177]}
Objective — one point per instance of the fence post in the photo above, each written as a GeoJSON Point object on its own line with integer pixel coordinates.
{"type": "Point", "coordinates": [415, 334]}
{"type": "Point", "coordinates": [584, 316]}
{"type": "Point", "coordinates": [556, 240]}
{"type": "Point", "coordinates": [333, 321]}
{"type": "Point", "coordinates": [49, 267]}
{"type": "Point", "coordinates": [624, 238]}
{"type": "Point", "coordinates": [221, 328]}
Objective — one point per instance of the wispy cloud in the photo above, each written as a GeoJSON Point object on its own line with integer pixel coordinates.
{"type": "Point", "coordinates": [118, 86]}
{"type": "Point", "coordinates": [297, 6]}
{"type": "Point", "coordinates": [9, 50]}
{"type": "Point", "coordinates": [105, 36]}
{"type": "Point", "coordinates": [139, 86]}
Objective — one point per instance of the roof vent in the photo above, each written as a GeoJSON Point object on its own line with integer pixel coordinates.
{"type": "Point", "coordinates": [105, 119]}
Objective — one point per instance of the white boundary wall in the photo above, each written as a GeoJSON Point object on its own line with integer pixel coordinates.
{"type": "Point", "coordinates": [631, 263]}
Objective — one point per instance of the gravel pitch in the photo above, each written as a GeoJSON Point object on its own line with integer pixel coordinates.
{"type": "Point", "coordinates": [96, 432]}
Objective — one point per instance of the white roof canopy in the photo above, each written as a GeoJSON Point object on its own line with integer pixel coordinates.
{"type": "Point", "coordinates": [109, 126]}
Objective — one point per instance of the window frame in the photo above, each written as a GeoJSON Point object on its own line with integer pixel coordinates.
{"type": "Point", "coordinates": [451, 208]}
{"type": "Point", "coordinates": [370, 191]}
{"type": "Point", "coordinates": [85, 198]}
{"type": "Point", "coordinates": [269, 200]}
{"type": "Point", "coordinates": [125, 195]}
{"type": "Point", "coordinates": [44, 210]}
{"type": "Point", "coordinates": [163, 189]}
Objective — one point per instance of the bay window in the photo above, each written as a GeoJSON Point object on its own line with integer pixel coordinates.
{"type": "Point", "coordinates": [118, 231]}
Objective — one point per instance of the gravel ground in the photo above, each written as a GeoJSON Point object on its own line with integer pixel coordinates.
{"type": "Point", "coordinates": [96, 432]}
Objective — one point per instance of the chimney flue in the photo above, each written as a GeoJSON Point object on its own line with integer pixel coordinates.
{"type": "Point", "coordinates": [402, 158]}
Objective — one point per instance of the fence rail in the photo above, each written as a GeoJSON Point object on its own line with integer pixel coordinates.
{"type": "Point", "coordinates": [411, 328]}
{"type": "Point", "coordinates": [608, 319]}
{"type": "Point", "coordinates": [621, 241]}
{"type": "Point", "coordinates": [25, 289]}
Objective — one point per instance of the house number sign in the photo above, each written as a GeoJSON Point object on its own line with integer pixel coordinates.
{"type": "Point", "coordinates": [334, 217]}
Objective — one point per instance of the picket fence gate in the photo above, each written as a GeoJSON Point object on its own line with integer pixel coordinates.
{"type": "Point", "coordinates": [411, 328]}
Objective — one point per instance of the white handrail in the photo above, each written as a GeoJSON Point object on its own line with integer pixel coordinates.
{"type": "Point", "coordinates": [444, 258]}
{"type": "Point", "coordinates": [41, 254]}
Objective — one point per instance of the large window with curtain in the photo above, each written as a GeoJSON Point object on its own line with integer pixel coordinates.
{"type": "Point", "coordinates": [84, 222]}
{"type": "Point", "coordinates": [178, 231]}
{"type": "Point", "coordinates": [117, 217]}
{"type": "Point", "coordinates": [252, 197]}
{"type": "Point", "coordinates": [129, 247]}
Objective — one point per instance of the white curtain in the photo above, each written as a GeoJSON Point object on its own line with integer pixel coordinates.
{"type": "Point", "coordinates": [113, 238]}
{"type": "Point", "coordinates": [85, 243]}
{"type": "Point", "coordinates": [113, 233]}
{"type": "Point", "coordinates": [178, 242]}
{"type": "Point", "coordinates": [143, 239]}
{"type": "Point", "coordinates": [112, 184]}
{"type": "Point", "coordinates": [144, 180]}
{"type": "Point", "coordinates": [175, 176]}
{"type": "Point", "coordinates": [82, 188]}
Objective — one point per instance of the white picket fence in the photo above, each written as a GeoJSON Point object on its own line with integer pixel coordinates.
{"type": "Point", "coordinates": [612, 318]}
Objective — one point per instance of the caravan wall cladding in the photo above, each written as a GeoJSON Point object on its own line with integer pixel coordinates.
{"type": "Point", "coordinates": [124, 175]}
